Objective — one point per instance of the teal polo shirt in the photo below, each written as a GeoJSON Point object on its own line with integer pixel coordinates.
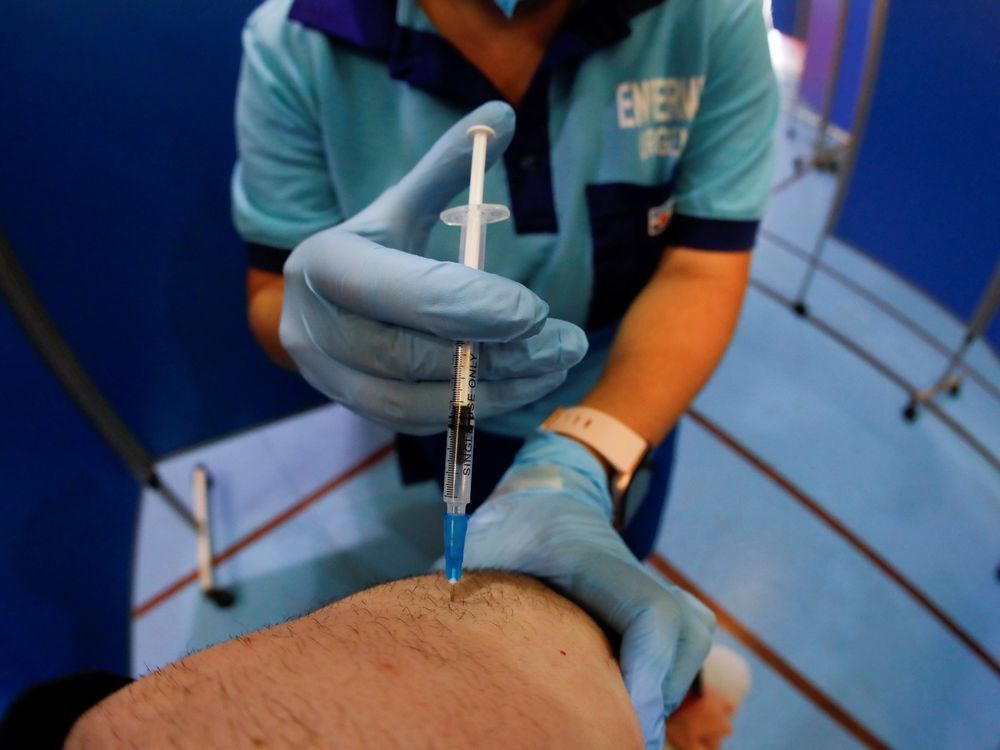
{"type": "Point", "coordinates": [647, 125]}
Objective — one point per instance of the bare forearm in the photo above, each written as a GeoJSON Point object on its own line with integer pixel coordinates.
{"type": "Point", "coordinates": [265, 292]}
{"type": "Point", "coordinates": [671, 339]}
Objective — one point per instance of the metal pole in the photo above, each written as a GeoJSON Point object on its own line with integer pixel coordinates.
{"type": "Point", "coordinates": [821, 156]}
{"type": "Point", "coordinates": [57, 354]}
{"type": "Point", "coordinates": [985, 310]}
{"type": "Point", "coordinates": [873, 54]}
{"type": "Point", "coordinates": [830, 95]}
{"type": "Point", "coordinates": [988, 305]}
{"type": "Point", "coordinates": [803, 12]}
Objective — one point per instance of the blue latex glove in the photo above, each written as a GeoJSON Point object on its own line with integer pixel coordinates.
{"type": "Point", "coordinates": [550, 517]}
{"type": "Point", "coordinates": [372, 324]}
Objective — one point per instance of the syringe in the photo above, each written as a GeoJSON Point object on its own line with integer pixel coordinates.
{"type": "Point", "coordinates": [473, 219]}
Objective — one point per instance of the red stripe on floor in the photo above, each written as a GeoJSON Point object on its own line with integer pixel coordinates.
{"type": "Point", "coordinates": [848, 536]}
{"type": "Point", "coordinates": [770, 657]}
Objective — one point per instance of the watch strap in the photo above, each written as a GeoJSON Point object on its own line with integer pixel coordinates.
{"type": "Point", "coordinates": [621, 446]}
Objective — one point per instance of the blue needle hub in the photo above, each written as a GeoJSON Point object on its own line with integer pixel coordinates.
{"type": "Point", "coordinates": [455, 526]}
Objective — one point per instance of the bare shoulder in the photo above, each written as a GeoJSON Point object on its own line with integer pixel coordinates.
{"type": "Point", "coordinates": [388, 667]}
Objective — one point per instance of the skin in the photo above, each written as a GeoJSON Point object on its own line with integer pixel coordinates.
{"type": "Point", "coordinates": [506, 50]}
{"type": "Point", "coordinates": [701, 723]}
{"type": "Point", "coordinates": [671, 339]}
{"type": "Point", "coordinates": [498, 661]}
{"type": "Point", "coordinates": [265, 292]}
{"type": "Point", "coordinates": [676, 330]}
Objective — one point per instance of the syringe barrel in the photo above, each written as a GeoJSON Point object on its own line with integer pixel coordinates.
{"type": "Point", "coordinates": [461, 426]}
{"type": "Point", "coordinates": [462, 420]}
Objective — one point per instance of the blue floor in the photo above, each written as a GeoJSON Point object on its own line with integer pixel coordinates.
{"type": "Point", "coordinates": [818, 400]}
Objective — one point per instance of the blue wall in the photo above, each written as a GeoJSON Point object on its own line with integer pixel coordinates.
{"type": "Point", "coordinates": [924, 198]}
{"type": "Point", "coordinates": [65, 538]}
{"type": "Point", "coordinates": [114, 165]}
{"type": "Point", "coordinates": [114, 171]}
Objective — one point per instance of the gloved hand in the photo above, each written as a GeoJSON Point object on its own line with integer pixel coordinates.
{"type": "Point", "coordinates": [550, 517]}
{"type": "Point", "coordinates": [372, 324]}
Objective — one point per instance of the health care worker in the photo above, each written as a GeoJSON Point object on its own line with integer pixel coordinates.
{"type": "Point", "coordinates": [636, 175]}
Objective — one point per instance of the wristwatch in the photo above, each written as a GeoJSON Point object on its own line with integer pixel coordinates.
{"type": "Point", "coordinates": [621, 446]}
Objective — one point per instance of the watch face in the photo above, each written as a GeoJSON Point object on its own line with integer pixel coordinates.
{"type": "Point", "coordinates": [637, 490]}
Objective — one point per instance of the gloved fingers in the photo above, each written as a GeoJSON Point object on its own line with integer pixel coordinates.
{"type": "Point", "coordinates": [648, 649]}
{"type": "Point", "coordinates": [392, 351]}
{"type": "Point", "coordinates": [449, 300]}
{"type": "Point", "coordinates": [693, 642]}
{"type": "Point", "coordinates": [416, 408]}
{"type": "Point", "coordinates": [559, 345]}
{"type": "Point", "coordinates": [443, 171]}
{"type": "Point", "coordinates": [662, 649]}
{"type": "Point", "coordinates": [699, 609]}
{"type": "Point", "coordinates": [402, 216]}
{"type": "Point", "coordinates": [664, 640]}
{"type": "Point", "coordinates": [655, 739]}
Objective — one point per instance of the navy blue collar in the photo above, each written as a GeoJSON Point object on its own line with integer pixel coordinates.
{"type": "Point", "coordinates": [365, 24]}
{"type": "Point", "coordinates": [430, 62]}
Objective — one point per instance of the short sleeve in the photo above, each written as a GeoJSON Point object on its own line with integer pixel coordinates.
{"type": "Point", "coordinates": [281, 192]}
{"type": "Point", "coordinates": [724, 174]}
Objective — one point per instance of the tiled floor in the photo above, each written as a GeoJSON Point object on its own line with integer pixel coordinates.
{"type": "Point", "coordinates": [813, 408]}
